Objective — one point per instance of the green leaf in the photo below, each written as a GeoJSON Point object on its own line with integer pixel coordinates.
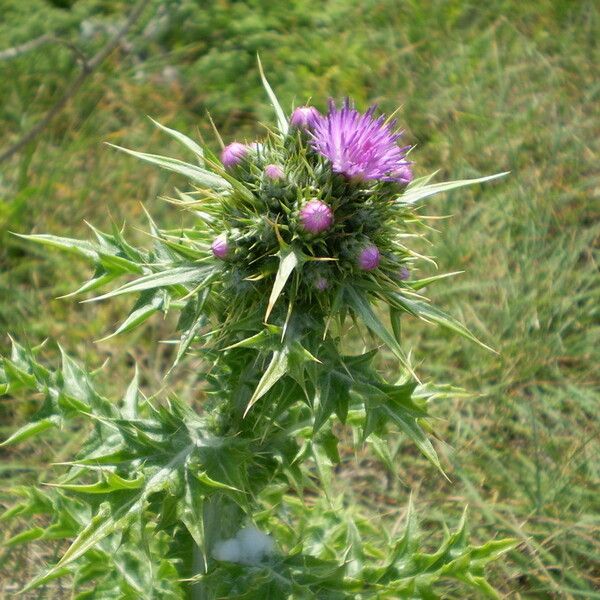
{"type": "Point", "coordinates": [282, 122]}
{"type": "Point", "coordinates": [361, 305]}
{"type": "Point", "coordinates": [30, 430]}
{"type": "Point", "coordinates": [289, 259]}
{"type": "Point", "coordinates": [427, 312]}
{"type": "Point", "coordinates": [184, 139]}
{"type": "Point", "coordinates": [412, 195]}
{"type": "Point", "coordinates": [111, 483]}
{"type": "Point", "coordinates": [169, 277]}
{"type": "Point", "coordinates": [419, 284]}
{"type": "Point", "coordinates": [50, 575]}
{"type": "Point", "coordinates": [80, 247]}
{"type": "Point", "coordinates": [101, 525]}
{"type": "Point", "coordinates": [25, 536]}
{"type": "Point", "coordinates": [198, 175]}
{"type": "Point", "coordinates": [141, 312]}
{"type": "Point", "coordinates": [409, 425]}
{"type": "Point", "coordinates": [333, 395]}
{"type": "Point", "coordinates": [275, 371]}
{"type": "Point", "coordinates": [132, 397]}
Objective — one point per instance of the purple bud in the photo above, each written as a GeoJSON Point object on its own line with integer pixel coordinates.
{"type": "Point", "coordinates": [316, 216]}
{"type": "Point", "coordinates": [369, 258]}
{"type": "Point", "coordinates": [304, 117]}
{"type": "Point", "coordinates": [404, 274]}
{"type": "Point", "coordinates": [404, 174]}
{"type": "Point", "coordinates": [274, 172]}
{"type": "Point", "coordinates": [321, 284]}
{"type": "Point", "coordinates": [233, 154]}
{"type": "Point", "coordinates": [220, 247]}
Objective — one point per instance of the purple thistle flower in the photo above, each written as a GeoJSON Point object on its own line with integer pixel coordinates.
{"type": "Point", "coordinates": [305, 117]}
{"type": "Point", "coordinates": [358, 145]}
{"type": "Point", "coordinates": [233, 154]}
{"type": "Point", "coordinates": [404, 274]}
{"type": "Point", "coordinates": [274, 172]}
{"type": "Point", "coordinates": [316, 216]}
{"type": "Point", "coordinates": [369, 257]}
{"type": "Point", "coordinates": [404, 174]}
{"type": "Point", "coordinates": [220, 247]}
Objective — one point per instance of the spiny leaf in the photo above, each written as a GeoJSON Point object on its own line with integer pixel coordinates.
{"type": "Point", "coordinates": [189, 143]}
{"type": "Point", "coordinates": [289, 259]}
{"type": "Point", "coordinates": [412, 195]}
{"type": "Point", "coordinates": [141, 313]}
{"type": "Point", "coordinates": [111, 483]}
{"type": "Point", "coordinates": [131, 398]}
{"type": "Point", "coordinates": [169, 277]}
{"type": "Point", "coordinates": [360, 303]}
{"type": "Point", "coordinates": [80, 247]}
{"type": "Point", "coordinates": [282, 122]}
{"type": "Point", "coordinates": [427, 312]}
{"type": "Point", "coordinates": [31, 429]}
{"type": "Point", "coordinates": [418, 284]}
{"type": "Point", "coordinates": [198, 175]}
{"type": "Point", "coordinates": [275, 371]}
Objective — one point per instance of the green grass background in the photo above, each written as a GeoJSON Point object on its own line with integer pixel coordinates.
{"type": "Point", "coordinates": [483, 87]}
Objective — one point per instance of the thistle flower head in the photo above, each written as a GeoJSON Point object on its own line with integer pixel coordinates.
{"type": "Point", "coordinates": [233, 154]}
{"type": "Point", "coordinates": [304, 117]}
{"type": "Point", "coordinates": [369, 258]}
{"type": "Point", "coordinates": [404, 174]}
{"type": "Point", "coordinates": [316, 216]}
{"type": "Point", "coordinates": [220, 247]}
{"type": "Point", "coordinates": [274, 172]}
{"type": "Point", "coordinates": [359, 145]}
{"type": "Point", "coordinates": [404, 274]}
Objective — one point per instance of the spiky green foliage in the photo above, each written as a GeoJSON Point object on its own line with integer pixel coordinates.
{"type": "Point", "coordinates": [161, 479]}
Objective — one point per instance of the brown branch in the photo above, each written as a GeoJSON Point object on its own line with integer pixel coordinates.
{"type": "Point", "coordinates": [26, 47]}
{"type": "Point", "coordinates": [89, 67]}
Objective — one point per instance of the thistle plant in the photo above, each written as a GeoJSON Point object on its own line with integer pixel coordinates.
{"type": "Point", "coordinates": [289, 241]}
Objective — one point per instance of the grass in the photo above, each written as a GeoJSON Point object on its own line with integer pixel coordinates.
{"type": "Point", "coordinates": [489, 87]}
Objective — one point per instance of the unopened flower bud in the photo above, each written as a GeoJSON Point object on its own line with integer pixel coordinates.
{"type": "Point", "coordinates": [316, 216]}
{"type": "Point", "coordinates": [304, 117]}
{"type": "Point", "coordinates": [404, 274]}
{"type": "Point", "coordinates": [369, 258]}
{"type": "Point", "coordinates": [233, 154]}
{"type": "Point", "coordinates": [220, 247]}
{"type": "Point", "coordinates": [274, 172]}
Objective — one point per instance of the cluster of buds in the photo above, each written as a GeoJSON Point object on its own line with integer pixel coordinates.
{"type": "Point", "coordinates": [328, 187]}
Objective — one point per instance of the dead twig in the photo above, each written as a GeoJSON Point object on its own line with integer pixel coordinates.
{"type": "Point", "coordinates": [26, 47]}
{"type": "Point", "coordinates": [89, 67]}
